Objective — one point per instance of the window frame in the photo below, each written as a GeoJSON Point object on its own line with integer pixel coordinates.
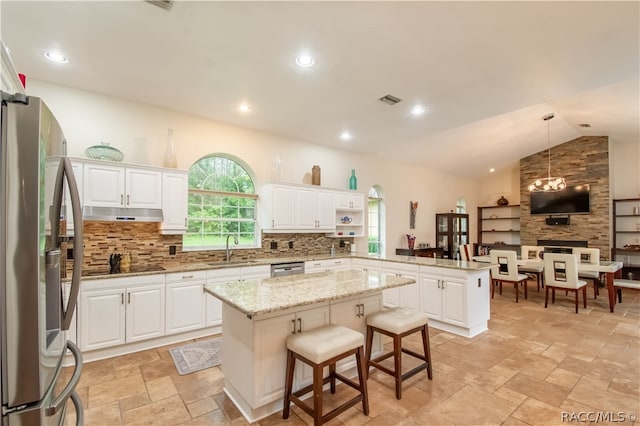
{"type": "Point", "coordinates": [256, 243]}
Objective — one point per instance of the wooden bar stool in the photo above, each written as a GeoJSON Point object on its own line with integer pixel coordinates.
{"type": "Point", "coordinates": [398, 323]}
{"type": "Point", "coordinates": [319, 348]}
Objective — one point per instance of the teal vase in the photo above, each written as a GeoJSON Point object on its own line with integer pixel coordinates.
{"type": "Point", "coordinates": [353, 180]}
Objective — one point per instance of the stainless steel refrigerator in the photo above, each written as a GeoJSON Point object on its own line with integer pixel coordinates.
{"type": "Point", "coordinates": [35, 179]}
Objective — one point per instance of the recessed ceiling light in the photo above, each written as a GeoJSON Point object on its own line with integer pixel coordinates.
{"type": "Point", "coordinates": [56, 57]}
{"type": "Point", "coordinates": [305, 61]}
{"type": "Point", "coordinates": [418, 110]}
{"type": "Point", "coordinates": [345, 136]}
{"type": "Point", "coordinates": [243, 107]}
{"type": "Point", "coordinates": [491, 170]}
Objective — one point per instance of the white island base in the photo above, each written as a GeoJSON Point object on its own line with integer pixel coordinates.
{"type": "Point", "coordinates": [254, 350]}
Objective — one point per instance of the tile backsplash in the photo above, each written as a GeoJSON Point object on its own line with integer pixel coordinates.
{"type": "Point", "coordinates": [147, 246]}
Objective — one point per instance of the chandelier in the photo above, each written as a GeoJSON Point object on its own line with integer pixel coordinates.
{"type": "Point", "coordinates": [548, 184]}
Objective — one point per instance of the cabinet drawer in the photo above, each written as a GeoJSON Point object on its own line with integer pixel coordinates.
{"type": "Point", "coordinates": [178, 277]}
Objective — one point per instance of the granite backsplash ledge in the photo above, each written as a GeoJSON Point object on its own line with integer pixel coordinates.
{"type": "Point", "coordinates": [147, 246]}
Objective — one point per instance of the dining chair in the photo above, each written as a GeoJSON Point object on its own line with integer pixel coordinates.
{"type": "Point", "coordinates": [504, 268]}
{"type": "Point", "coordinates": [466, 252]}
{"type": "Point", "coordinates": [589, 256]}
{"type": "Point", "coordinates": [533, 253]}
{"type": "Point", "coordinates": [561, 272]}
{"type": "Point", "coordinates": [619, 284]}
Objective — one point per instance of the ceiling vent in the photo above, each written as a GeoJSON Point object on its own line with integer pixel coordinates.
{"type": "Point", "coordinates": [584, 125]}
{"type": "Point", "coordinates": [165, 4]}
{"type": "Point", "coordinates": [390, 99]}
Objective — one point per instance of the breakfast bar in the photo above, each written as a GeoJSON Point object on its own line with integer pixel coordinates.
{"type": "Point", "coordinates": [258, 315]}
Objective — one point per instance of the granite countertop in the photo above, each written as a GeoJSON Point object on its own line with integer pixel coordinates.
{"type": "Point", "coordinates": [261, 296]}
{"type": "Point", "coordinates": [170, 267]}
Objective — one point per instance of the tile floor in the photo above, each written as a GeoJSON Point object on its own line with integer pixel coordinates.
{"type": "Point", "coordinates": [533, 365]}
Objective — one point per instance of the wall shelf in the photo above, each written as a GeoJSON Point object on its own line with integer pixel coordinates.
{"type": "Point", "coordinates": [626, 232]}
{"type": "Point", "coordinates": [498, 228]}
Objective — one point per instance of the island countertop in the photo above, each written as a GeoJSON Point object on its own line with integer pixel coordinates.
{"type": "Point", "coordinates": [261, 296]}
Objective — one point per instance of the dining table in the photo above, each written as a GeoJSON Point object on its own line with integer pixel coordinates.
{"type": "Point", "coordinates": [611, 268]}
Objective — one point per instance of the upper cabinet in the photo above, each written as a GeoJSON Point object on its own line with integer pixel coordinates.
{"type": "Point", "coordinates": [291, 208]}
{"type": "Point", "coordinates": [175, 199]}
{"type": "Point", "coordinates": [117, 186]}
{"type": "Point", "coordinates": [349, 201]}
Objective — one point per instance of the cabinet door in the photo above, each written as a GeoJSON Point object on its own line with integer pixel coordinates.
{"type": "Point", "coordinates": [281, 207]}
{"type": "Point", "coordinates": [103, 186]}
{"type": "Point", "coordinates": [308, 320]}
{"type": "Point", "coordinates": [185, 307]}
{"type": "Point", "coordinates": [213, 305]}
{"type": "Point", "coordinates": [144, 188]}
{"type": "Point", "coordinates": [145, 312]}
{"type": "Point", "coordinates": [409, 295]}
{"type": "Point", "coordinates": [175, 199]}
{"type": "Point", "coordinates": [431, 296]}
{"type": "Point", "coordinates": [304, 209]}
{"type": "Point", "coordinates": [102, 318]}
{"type": "Point", "coordinates": [454, 302]}
{"type": "Point", "coordinates": [325, 210]}
{"type": "Point", "coordinates": [270, 357]}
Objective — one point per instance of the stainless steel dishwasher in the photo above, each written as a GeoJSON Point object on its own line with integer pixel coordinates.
{"type": "Point", "coordinates": [287, 268]}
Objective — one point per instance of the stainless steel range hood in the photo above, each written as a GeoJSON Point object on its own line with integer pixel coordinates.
{"type": "Point", "coordinates": [117, 214]}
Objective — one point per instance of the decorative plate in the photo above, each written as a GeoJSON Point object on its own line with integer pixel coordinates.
{"type": "Point", "coordinates": [104, 152]}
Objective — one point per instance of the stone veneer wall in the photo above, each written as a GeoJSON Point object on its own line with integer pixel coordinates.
{"type": "Point", "coordinates": [584, 160]}
{"type": "Point", "coordinates": [147, 246]}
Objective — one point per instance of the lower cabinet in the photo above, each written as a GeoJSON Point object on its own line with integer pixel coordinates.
{"type": "Point", "coordinates": [406, 296]}
{"type": "Point", "coordinates": [455, 300]}
{"type": "Point", "coordinates": [353, 313]}
{"type": "Point", "coordinates": [339, 264]}
{"type": "Point", "coordinates": [121, 310]}
{"type": "Point", "coordinates": [185, 301]}
{"type": "Point", "coordinates": [270, 337]}
{"type": "Point", "coordinates": [444, 298]}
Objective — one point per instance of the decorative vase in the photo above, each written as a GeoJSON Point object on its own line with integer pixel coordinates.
{"type": "Point", "coordinates": [170, 159]}
{"type": "Point", "coordinates": [315, 175]}
{"type": "Point", "coordinates": [353, 180]}
{"type": "Point", "coordinates": [411, 241]}
{"type": "Point", "coordinates": [502, 201]}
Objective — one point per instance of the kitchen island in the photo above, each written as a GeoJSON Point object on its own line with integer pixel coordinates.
{"type": "Point", "coordinates": [258, 315]}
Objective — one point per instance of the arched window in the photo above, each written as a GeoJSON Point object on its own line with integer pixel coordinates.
{"type": "Point", "coordinates": [375, 213]}
{"type": "Point", "coordinates": [222, 202]}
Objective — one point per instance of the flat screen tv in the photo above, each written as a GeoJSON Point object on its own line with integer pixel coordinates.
{"type": "Point", "coordinates": [571, 200]}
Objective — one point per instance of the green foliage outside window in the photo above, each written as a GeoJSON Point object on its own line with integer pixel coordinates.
{"type": "Point", "coordinates": [222, 201]}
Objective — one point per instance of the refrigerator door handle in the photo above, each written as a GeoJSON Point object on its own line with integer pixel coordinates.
{"type": "Point", "coordinates": [77, 403]}
{"type": "Point", "coordinates": [67, 314]}
{"type": "Point", "coordinates": [68, 391]}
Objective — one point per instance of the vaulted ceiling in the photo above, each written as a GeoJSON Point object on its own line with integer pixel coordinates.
{"type": "Point", "coordinates": [487, 72]}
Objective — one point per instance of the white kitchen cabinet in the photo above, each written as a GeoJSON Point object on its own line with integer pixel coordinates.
{"type": "Point", "coordinates": [349, 201]}
{"type": "Point", "coordinates": [406, 296]}
{"type": "Point", "coordinates": [352, 313]}
{"type": "Point", "coordinates": [175, 200]}
{"type": "Point", "coordinates": [334, 264]}
{"type": "Point", "coordinates": [117, 186]}
{"type": "Point", "coordinates": [278, 206]}
{"type": "Point", "coordinates": [185, 301]}
{"type": "Point", "coordinates": [298, 208]}
{"type": "Point", "coordinates": [366, 264]}
{"type": "Point", "coordinates": [313, 209]}
{"type": "Point", "coordinates": [455, 300]}
{"type": "Point", "coordinates": [269, 358]}
{"type": "Point", "coordinates": [114, 311]}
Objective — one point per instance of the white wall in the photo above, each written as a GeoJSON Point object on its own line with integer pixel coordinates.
{"type": "Point", "coordinates": [140, 132]}
{"type": "Point", "coordinates": [624, 169]}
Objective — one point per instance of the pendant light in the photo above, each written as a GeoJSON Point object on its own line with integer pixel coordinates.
{"type": "Point", "coordinates": [548, 184]}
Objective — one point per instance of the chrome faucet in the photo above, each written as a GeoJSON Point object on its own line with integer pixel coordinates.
{"type": "Point", "coordinates": [235, 241]}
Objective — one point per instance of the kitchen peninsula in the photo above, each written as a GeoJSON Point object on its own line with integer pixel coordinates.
{"type": "Point", "coordinates": [258, 315]}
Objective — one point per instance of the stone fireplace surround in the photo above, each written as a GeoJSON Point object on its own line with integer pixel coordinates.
{"type": "Point", "coordinates": [584, 160]}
